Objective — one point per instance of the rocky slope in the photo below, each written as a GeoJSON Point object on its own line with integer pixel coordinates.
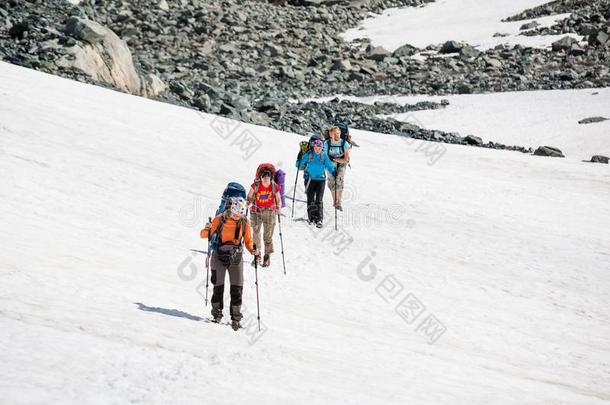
{"type": "Point", "coordinates": [246, 59]}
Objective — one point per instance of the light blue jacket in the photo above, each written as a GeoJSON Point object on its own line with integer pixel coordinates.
{"type": "Point", "coordinates": [314, 164]}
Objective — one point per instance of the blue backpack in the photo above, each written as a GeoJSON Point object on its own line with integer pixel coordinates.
{"type": "Point", "coordinates": [232, 190]}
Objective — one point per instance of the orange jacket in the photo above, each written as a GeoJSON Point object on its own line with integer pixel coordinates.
{"type": "Point", "coordinates": [228, 232]}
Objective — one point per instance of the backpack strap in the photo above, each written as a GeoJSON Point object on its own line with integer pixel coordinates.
{"type": "Point", "coordinates": [256, 184]}
{"type": "Point", "coordinates": [237, 236]}
{"type": "Point", "coordinates": [240, 231]}
{"type": "Point", "coordinates": [308, 161]}
{"type": "Point", "coordinates": [218, 231]}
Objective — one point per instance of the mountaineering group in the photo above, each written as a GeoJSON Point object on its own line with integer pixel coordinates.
{"type": "Point", "coordinates": [231, 229]}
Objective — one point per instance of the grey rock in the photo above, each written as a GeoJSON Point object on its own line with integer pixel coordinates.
{"type": "Point", "coordinates": [599, 38]}
{"type": "Point", "coordinates": [592, 120]}
{"type": "Point", "coordinates": [473, 140]}
{"type": "Point", "coordinates": [493, 62]}
{"type": "Point", "coordinates": [529, 26]}
{"type": "Point", "coordinates": [86, 30]}
{"type": "Point", "coordinates": [599, 159]}
{"type": "Point", "coordinates": [564, 44]}
{"type": "Point", "coordinates": [469, 52]}
{"type": "Point", "coordinates": [548, 151]}
{"type": "Point", "coordinates": [405, 51]}
{"type": "Point", "coordinates": [163, 5]}
{"type": "Point", "coordinates": [377, 53]}
{"type": "Point", "coordinates": [18, 30]}
{"type": "Point", "coordinates": [342, 65]}
{"type": "Point", "coordinates": [259, 118]}
{"type": "Point", "coordinates": [105, 58]}
{"type": "Point", "coordinates": [451, 47]}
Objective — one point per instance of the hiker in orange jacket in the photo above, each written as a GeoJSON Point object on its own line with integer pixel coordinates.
{"type": "Point", "coordinates": [231, 228]}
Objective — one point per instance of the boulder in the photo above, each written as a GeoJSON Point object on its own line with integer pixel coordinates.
{"type": "Point", "coordinates": [473, 140]}
{"type": "Point", "coordinates": [599, 38]}
{"type": "Point", "coordinates": [451, 47]}
{"type": "Point", "coordinates": [104, 57]}
{"type": "Point", "coordinates": [564, 44]}
{"type": "Point", "coordinates": [86, 30]}
{"type": "Point", "coordinates": [377, 53]}
{"type": "Point", "coordinates": [548, 151]}
{"type": "Point", "coordinates": [577, 50]}
{"type": "Point", "coordinates": [529, 26]}
{"type": "Point", "coordinates": [600, 159]}
{"type": "Point", "coordinates": [405, 51]}
{"type": "Point", "coordinates": [163, 5]}
{"type": "Point", "coordinates": [592, 120]}
{"type": "Point", "coordinates": [469, 52]}
{"type": "Point", "coordinates": [342, 65]}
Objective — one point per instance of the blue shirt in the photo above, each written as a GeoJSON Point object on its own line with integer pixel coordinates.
{"type": "Point", "coordinates": [315, 163]}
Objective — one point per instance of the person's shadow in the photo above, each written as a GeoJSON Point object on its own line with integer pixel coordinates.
{"type": "Point", "coordinates": [169, 312]}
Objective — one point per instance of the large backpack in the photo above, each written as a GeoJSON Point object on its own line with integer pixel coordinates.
{"type": "Point", "coordinates": [345, 135]}
{"type": "Point", "coordinates": [257, 180]}
{"type": "Point", "coordinates": [232, 190]}
{"type": "Point", "coordinates": [307, 147]}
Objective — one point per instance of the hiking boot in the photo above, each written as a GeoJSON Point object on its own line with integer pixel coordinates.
{"type": "Point", "coordinates": [266, 261]}
{"type": "Point", "coordinates": [235, 325]}
{"type": "Point", "coordinates": [319, 224]}
{"type": "Point", "coordinates": [216, 312]}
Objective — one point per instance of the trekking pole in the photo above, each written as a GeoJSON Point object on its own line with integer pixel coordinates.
{"type": "Point", "coordinates": [258, 310]}
{"type": "Point", "coordinates": [294, 192]}
{"type": "Point", "coordinates": [336, 175]}
{"type": "Point", "coordinates": [279, 223]}
{"type": "Point", "coordinates": [207, 266]}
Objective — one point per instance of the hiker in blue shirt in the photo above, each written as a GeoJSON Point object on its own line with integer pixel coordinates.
{"type": "Point", "coordinates": [338, 150]}
{"type": "Point", "coordinates": [314, 163]}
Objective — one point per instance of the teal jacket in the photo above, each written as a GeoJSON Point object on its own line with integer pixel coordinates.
{"type": "Point", "coordinates": [314, 165]}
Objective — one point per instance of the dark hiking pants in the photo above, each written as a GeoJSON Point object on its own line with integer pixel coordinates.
{"type": "Point", "coordinates": [236, 278]}
{"type": "Point", "coordinates": [315, 193]}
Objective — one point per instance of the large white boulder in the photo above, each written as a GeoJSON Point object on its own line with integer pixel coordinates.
{"type": "Point", "coordinates": [104, 57]}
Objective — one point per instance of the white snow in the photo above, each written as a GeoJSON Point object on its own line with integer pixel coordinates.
{"type": "Point", "coordinates": [471, 21]}
{"type": "Point", "coordinates": [510, 252]}
{"type": "Point", "coordinates": [525, 118]}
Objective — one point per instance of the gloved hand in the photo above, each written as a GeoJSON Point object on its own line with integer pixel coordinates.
{"type": "Point", "coordinates": [257, 259]}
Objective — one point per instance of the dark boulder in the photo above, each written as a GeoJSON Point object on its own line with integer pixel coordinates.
{"type": "Point", "coordinates": [592, 120]}
{"type": "Point", "coordinates": [451, 47]}
{"type": "Point", "coordinates": [599, 159]}
{"type": "Point", "coordinates": [548, 151]}
{"type": "Point", "coordinates": [473, 140]}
